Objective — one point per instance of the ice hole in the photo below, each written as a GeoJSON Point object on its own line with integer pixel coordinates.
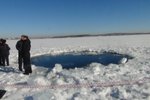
{"type": "Point", "coordinates": [72, 60]}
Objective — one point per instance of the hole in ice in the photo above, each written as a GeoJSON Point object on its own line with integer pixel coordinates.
{"type": "Point", "coordinates": [72, 60]}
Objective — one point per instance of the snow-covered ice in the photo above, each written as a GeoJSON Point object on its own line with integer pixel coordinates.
{"type": "Point", "coordinates": [37, 86]}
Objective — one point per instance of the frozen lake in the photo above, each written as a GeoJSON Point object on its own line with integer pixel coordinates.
{"type": "Point", "coordinates": [114, 76]}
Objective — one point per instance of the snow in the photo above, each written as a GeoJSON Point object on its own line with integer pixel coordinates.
{"type": "Point", "coordinates": [123, 60]}
{"type": "Point", "coordinates": [75, 84]}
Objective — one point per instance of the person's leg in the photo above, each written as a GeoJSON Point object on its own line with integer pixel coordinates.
{"type": "Point", "coordinates": [27, 63]}
{"type": "Point", "coordinates": [3, 60]}
{"type": "Point", "coordinates": [0, 60]}
{"type": "Point", "coordinates": [20, 60]}
{"type": "Point", "coordinates": [7, 60]}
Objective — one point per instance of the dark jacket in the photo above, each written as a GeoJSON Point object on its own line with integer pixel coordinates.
{"type": "Point", "coordinates": [23, 46]}
{"type": "Point", "coordinates": [4, 49]}
{"type": "Point", "coordinates": [0, 49]}
{"type": "Point", "coordinates": [19, 45]}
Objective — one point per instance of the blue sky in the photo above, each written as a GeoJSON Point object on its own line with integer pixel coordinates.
{"type": "Point", "coordinates": [66, 17]}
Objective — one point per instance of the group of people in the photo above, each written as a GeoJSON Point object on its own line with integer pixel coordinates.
{"type": "Point", "coordinates": [4, 53]}
{"type": "Point", "coordinates": [23, 46]}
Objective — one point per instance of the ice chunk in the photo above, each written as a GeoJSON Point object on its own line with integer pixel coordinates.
{"type": "Point", "coordinates": [96, 68]}
{"type": "Point", "coordinates": [123, 60]}
{"type": "Point", "coordinates": [58, 68]}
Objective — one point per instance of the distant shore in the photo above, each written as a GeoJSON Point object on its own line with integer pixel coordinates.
{"type": "Point", "coordinates": [83, 35]}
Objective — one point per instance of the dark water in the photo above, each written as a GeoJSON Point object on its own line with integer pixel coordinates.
{"type": "Point", "coordinates": [77, 60]}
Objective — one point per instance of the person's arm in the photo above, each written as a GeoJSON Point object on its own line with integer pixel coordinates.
{"type": "Point", "coordinates": [18, 46]}
{"type": "Point", "coordinates": [29, 45]}
{"type": "Point", "coordinates": [8, 48]}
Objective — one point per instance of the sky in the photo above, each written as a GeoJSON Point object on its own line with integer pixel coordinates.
{"type": "Point", "coordinates": [69, 17]}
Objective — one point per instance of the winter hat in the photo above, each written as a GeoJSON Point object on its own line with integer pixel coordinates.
{"type": "Point", "coordinates": [24, 36]}
{"type": "Point", "coordinates": [3, 41]}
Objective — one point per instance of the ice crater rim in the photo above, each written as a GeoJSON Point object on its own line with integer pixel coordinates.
{"type": "Point", "coordinates": [123, 60]}
{"type": "Point", "coordinates": [86, 52]}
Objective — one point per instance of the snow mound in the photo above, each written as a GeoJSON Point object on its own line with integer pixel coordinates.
{"type": "Point", "coordinates": [58, 68]}
{"type": "Point", "coordinates": [96, 68]}
{"type": "Point", "coordinates": [38, 80]}
{"type": "Point", "coordinates": [45, 95]}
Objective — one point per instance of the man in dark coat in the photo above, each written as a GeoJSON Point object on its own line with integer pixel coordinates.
{"type": "Point", "coordinates": [5, 52]}
{"type": "Point", "coordinates": [23, 46]}
{"type": "Point", "coordinates": [0, 52]}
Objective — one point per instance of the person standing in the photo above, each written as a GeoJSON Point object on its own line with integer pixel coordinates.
{"type": "Point", "coordinates": [5, 52]}
{"type": "Point", "coordinates": [23, 46]}
{"type": "Point", "coordinates": [0, 52]}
